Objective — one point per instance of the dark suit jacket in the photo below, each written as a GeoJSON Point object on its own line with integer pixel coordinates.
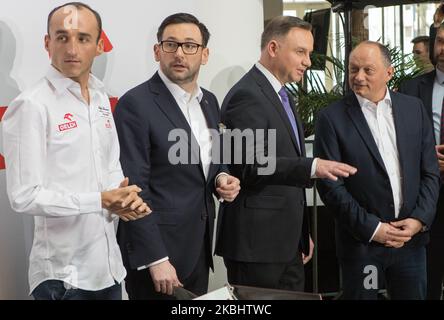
{"type": "Point", "coordinates": [179, 195]}
{"type": "Point", "coordinates": [363, 200]}
{"type": "Point", "coordinates": [422, 87]}
{"type": "Point", "coordinates": [265, 222]}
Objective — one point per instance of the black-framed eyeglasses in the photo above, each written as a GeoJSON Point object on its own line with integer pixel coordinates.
{"type": "Point", "coordinates": [189, 48]}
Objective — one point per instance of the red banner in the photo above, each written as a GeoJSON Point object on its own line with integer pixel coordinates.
{"type": "Point", "coordinates": [107, 44]}
{"type": "Point", "coordinates": [2, 159]}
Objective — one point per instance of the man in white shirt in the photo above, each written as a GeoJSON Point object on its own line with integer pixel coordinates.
{"type": "Point", "coordinates": [173, 246]}
{"type": "Point", "coordinates": [383, 212]}
{"type": "Point", "coordinates": [62, 159]}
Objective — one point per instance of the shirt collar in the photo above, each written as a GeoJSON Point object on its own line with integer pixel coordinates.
{"type": "Point", "coordinates": [179, 93]}
{"type": "Point", "coordinates": [365, 102]}
{"type": "Point", "coordinates": [61, 82]}
{"type": "Point", "coordinates": [439, 76]}
{"type": "Point", "coordinates": [275, 83]}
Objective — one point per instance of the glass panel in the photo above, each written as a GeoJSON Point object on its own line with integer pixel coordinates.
{"type": "Point", "coordinates": [375, 24]}
{"type": "Point", "coordinates": [389, 26]}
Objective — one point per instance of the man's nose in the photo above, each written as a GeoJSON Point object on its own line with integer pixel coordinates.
{"type": "Point", "coordinates": [72, 47]}
{"type": "Point", "coordinates": [179, 52]}
{"type": "Point", "coordinates": [307, 61]}
{"type": "Point", "coordinates": [359, 75]}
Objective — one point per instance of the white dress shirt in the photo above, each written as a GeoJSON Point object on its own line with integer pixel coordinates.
{"type": "Point", "coordinates": [190, 106]}
{"type": "Point", "coordinates": [438, 96]}
{"type": "Point", "coordinates": [60, 154]}
{"type": "Point", "coordinates": [382, 126]}
{"type": "Point", "coordinates": [277, 86]}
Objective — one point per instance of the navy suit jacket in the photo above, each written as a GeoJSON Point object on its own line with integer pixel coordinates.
{"type": "Point", "coordinates": [363, 200]}
{"type": "Point", "coordinates": [422, 88]}
{"type": "Point", "coordinates": [268, 222]}
{"type": "Point", "coordinates": [179, 195]}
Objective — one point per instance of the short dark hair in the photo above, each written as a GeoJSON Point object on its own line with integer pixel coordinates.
{"type": "Point", "coordinates": [78, 5]}
{"type": "Point", "coordinates": [385, 52]}
{"type": "Point", "coordinates": [422, 39]}
{"type": "Point", "coordinates": [184, 18]}
{"type": "Point", "coordinates": [280, 26]}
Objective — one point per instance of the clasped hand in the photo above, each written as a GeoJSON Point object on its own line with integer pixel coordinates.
{"type": "Point", "coordinates": [125, 202]}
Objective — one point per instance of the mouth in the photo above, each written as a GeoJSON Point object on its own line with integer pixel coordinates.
{"type": "Point", "coordinates": [300, 71]}
{"type": "Point", "coordinates": [70, 61]}
{"type": "Point", "coordinates": [179, 67]}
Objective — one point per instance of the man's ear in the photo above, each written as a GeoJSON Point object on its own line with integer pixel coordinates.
{"type": "Point", "coordinates": [205, 56]}
{"type": "Point", "coordinates": [390, 72]}
{"type": "Point", "coordinates": [46, 40]}
{"type": "Point", "coordinates": [272, 48]}
{"type": "Point", "coordinates": [157, 52]}
{"type": "Point", "coordinates": [100, 47]}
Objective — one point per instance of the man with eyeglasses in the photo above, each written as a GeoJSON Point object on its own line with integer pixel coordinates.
{"type": "Point", "coordinates": [172, 248]}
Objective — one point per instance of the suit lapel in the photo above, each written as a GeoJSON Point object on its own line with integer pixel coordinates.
{"type": "Point", "coordinates": [272, 96]}
{"type": "Point", "coordinates": [212, 124]}
{"type": "Point", "coordinates": [426, 92]}
{"type": "Point", "coordinates": [400, 127]}
{"type": "Point", "coordinates": [211, 120]}
{"type": "Point", "coordinates": [168, 105]}
{"type": "Point", "coordinates": [360, 123]}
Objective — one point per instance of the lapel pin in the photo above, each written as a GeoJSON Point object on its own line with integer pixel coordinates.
{"type": "Point", "coordinates": [222, 128]}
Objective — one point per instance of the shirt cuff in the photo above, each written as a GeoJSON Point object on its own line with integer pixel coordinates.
{"type": "Point", "coordinates": [90, 202]}
{"type": "Point", "coordinates": [313, 168]}
{"type": "Point", "coordinates": [374, 233]}
{"type": "Point", "coordinates": [153, 264]}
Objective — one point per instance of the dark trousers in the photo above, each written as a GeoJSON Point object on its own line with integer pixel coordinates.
{"type": "Point", "coordinates": [55, 290]}
{"type": "Point", "coordinates": [435, 268]}
{"type": "Point", "coordinates": [284, 276]}
{"type": "Point", "coordinates": [139, 284]}
{"type": "Point", "coordinates": [401, 271]}
{"type": "Point", "coordinates": [435, 252]}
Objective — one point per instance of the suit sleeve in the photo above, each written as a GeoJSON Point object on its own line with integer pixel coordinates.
{"type": "Point", "coordinates": [425, 208]}
{"type": "Point", "coordinates": [349, 213]}
{"type": "Point", "coordinates": [223, 168]}
{"type": "Point", "coordinates": [259, 163]}
{"type": "Point", "coordinates": [143, 235]}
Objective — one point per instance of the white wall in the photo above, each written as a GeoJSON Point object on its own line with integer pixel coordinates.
{"type": "Point", "coordinates": [131, 26]}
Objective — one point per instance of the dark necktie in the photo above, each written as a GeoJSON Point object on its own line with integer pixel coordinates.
{"type": "Point", "coordinates": [286, 103]}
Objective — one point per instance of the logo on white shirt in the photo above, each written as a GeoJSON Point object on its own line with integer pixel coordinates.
{"type": "Point", "coordinates": [68, 117]}
{"type": "Point", "coordinates": [69, 125]}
